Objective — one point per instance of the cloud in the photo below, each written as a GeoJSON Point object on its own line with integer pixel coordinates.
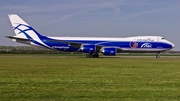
{"type": "Point", "coordinates": [158, 10]}
{"type": "Point", "coordinates": [86, 8]}
{"type": "Point", "coordinates": [73, 9]}
{"type": "Point", "coordinates": [115, 8]}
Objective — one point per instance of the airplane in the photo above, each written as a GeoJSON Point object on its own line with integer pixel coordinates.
{"type": "Point", "coordinates": [92, 46]}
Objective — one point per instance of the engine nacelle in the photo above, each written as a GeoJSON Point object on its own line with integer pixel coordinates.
{"type": "Point", "coordinates": [88, 48]}
{"type": "Point", "coordinates": [109, 51]}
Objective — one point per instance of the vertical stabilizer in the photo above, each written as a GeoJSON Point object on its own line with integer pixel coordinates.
{"type": "Point", "coordinates": [15, 21]}
{"type": "Point", "coordinates": [22, 29]}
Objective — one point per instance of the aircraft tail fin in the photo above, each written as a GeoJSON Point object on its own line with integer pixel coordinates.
{"type": "Point", "coordinates": [22, 29]}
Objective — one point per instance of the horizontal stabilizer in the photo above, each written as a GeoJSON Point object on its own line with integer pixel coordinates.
{"type": "Point", "coordinates": [18, 38]}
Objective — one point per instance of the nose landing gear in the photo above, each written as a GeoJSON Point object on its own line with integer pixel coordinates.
{"type": "Point", "coordinates": [158, 55]}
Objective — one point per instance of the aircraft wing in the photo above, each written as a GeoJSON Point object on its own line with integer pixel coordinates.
{"type": "Point", "coordinates": [73, 44]}
{"type": "Point", "coordinates": [98, 47]}
{"type": "Point", "coordinates": [78, 45]}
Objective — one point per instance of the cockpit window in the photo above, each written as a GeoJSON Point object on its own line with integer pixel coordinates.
{"type": "Point", "coordinates": [162, 38]}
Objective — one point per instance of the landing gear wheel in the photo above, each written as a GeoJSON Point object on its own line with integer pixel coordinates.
{"type": "Point", "coordinates": [96, 55]}
{"type": "Point", "coordinates": [88, 55]}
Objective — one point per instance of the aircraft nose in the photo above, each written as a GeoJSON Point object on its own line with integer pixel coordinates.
{"type": "Point", "coordinates": [173, 45]}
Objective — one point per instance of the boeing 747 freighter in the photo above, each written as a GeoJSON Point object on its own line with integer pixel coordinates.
{"type": "Point", "coordinates": [92, 46]}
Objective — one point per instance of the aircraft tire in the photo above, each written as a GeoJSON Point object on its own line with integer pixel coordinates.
{"type": "Point", "coordinates": [88, 56]}
{"type": "Point", "coordinates": [96, 55]}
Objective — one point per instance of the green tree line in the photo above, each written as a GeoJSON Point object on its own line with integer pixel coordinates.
{"type": "Point", "coordinates": [29, 50]}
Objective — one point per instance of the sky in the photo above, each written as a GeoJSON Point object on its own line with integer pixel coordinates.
{"type": "Point", "coordinates": [94, 18]}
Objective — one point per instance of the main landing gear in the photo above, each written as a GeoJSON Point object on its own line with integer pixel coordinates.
{"type": "Point", "coordinates": [158, 55]}
{"type": "Point", "coordinates": [92, 55]}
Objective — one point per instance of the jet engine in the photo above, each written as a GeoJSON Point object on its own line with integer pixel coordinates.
{"type": "Point", "coordinates": [109, 51]}
{"type": "Point", "coordinates": [88, 48]}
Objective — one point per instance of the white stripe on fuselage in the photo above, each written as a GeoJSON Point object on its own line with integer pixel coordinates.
{"type": "Point", "coordinates": [107, 38]}
{"type": "Point", "coordinates": [113, 39]}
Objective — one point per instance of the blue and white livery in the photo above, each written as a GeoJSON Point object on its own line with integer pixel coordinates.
{"type": "Point", "coordinates": [25, 34]}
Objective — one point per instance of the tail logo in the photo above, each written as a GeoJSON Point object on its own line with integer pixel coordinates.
{"type": "Point", "coordinates": [31, 34]}
{"type": "Point", "coordinates": [24, 28]}
{"type": "Point", "coordinates": [23, 31]}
